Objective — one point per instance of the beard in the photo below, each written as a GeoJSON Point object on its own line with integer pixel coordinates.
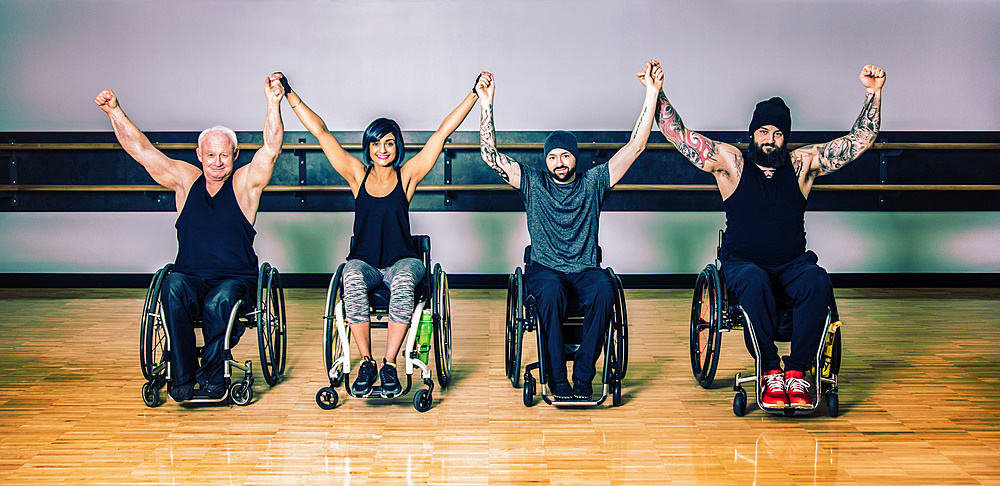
{"type": "Point", "coordinates": [772, 160]}
{"type": "Point", "coordinates": [569, 174]}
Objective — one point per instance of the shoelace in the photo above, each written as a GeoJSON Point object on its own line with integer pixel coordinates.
{"type": "Point", "coordinates": [797, 385]}
{"type": "Point", "coordinates": [775, 382]}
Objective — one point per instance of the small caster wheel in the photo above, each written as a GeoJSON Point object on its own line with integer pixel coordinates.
{"type": "Point", "coordinates": [740, 403]}
{"type": "Point", "coordinates": [832, 404]}
{"type": "Point", "coordinates": [528, 397]}
{"type": "Point", "coordinates": [150, 395]}
{"type": "Point", "coordinates": [327, 398]}
{"type": "Point", "coordinates": [422, 401]}
{"type": "Point", "coordinates": [241, 393]}
{"type": "Point", "coordinates": [616, 393]}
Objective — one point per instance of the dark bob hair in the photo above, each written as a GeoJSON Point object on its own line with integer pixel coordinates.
{"type": "Point", "coordinates": [378, 129]}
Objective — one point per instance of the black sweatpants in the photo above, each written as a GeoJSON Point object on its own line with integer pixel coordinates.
{"type": "Point", "coordinates": [552, 289]}
{"type": "Point", "coordinates": [808, 287]}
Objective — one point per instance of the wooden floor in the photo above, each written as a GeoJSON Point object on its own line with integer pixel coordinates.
{"type": "Point", "coordinates": [920, 404]}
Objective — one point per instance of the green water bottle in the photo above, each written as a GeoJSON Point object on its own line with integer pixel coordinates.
{"type": "Point", "coordinates": [424, 333]}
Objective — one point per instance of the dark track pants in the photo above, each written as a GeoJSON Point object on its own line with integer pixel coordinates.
{"type": "Point", "coordinates": [552, 289]}
{"type": "Point", "coordinates": [186, 298]}
{"type": "Point", "coordinates": [808, 287]}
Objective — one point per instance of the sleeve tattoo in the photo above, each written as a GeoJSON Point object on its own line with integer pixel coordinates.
{"type": "Point", "coordinates": [692, 145]}
{"type": "Point", "coordinates": [488, 146]}
{"type": "Point", "coordinates": [833, 155]}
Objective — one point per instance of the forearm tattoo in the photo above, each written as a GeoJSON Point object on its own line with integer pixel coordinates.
{"type": "Point", "coordinates": [638, 123]}
{"type": "Point", "coordinates": [692, 145]}
{"type": "Point", "coordinates": [833, 155]}
{"type": "Point", "coordinates": [488, 146]}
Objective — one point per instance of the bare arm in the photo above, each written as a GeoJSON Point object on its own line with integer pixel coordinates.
{"type": "Point", "coordinates": [652, 78]}
{"type": "Point", "coordinates": [508, 169]}
{"type": "Point", "coordinates": [415, 169]}
{"type": "Point", "coordinates": [251, 179]}
{"type": "Point", "coordinates": [173, 174]}
{"type": "Point", "coordinates": [822, 159]}
{"type": "Point", "coordinates": [348, 166]}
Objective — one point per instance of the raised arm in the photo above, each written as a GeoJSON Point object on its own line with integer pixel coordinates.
{"type": "Point", "coordinates": [508, 169]}
{"type": "Point", "coordinates": [822, 159]}
{"type": "Point", "coordinates": [251, 179]}
{"type": "Point", "coordinates": [348, 166]}
{"type": "Point", "coordinates": [652, 78]}
{"type": "Point", "coordinates": [173, 174]}
{"type": "Point", "coordinates": [706, 154]}
{"type": "Point", "coordinates": [415, 169]}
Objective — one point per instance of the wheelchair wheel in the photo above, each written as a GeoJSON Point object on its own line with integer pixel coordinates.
{"type": "Point", "coordinates": [332, 347]}
{"type": "Point", "coordinates": [528, 395]}
{"type": "Point", "coordinates": [706, 317]}
{"type": "Point", "coordinates": [516, 329]}
{"type": "Point", "coordinates": [509, 329]}
{"type": "Point", "coordinates": [740, 403]}
{"type": "Point", "coordinates": [271, 330]}
{"type": "Point", "coordinates": [619, 330]}
{"type": "Point", "coordinates": [423, 400]}
{"type": "Point", "coordinates": [327, 398]}
{"type": "Point", "coordinates": [241, 393]}
{"type": "Point", "coordinates": [150, 394]}
{"type": "Point", "coordinates": [442, 326]}
{"type": "Point", "coordinates": [616, 392]}
{"type": "Point", "coordinates": [832, 404]}
{"type": "Point", "coordinates": [153, 334]}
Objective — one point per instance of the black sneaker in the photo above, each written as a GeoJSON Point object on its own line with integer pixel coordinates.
{"type": "Point", "coordinates": [213, 391]}
{"type": "Point", "coordinates": [366, 377]}
{"type": "Point", "coordinates": [583, 392]}
{"type": "Point", "coordinates": [561, 391]}
{"type": "Point", "coordinates": [390, 382]}
{"type": "Point", "coordinates": [181, 393]}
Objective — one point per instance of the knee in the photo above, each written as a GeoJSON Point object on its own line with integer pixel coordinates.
{"type": "Point", "coordinates": [749, 280]}
{"type": "Point", "coordinates": [818, 282]}
{"type": "Point", "coordinates": [174, 289]}
{"type": "Point", "coordinates": [402, 284]}
{"type": "Point", "coordinates": [221, 303]}
{"type": "Point", "coordinates": [605, 294]}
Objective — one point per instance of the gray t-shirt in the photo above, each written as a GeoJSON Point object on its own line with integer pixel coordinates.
{"type": "Point", "coordinates": [563, 218]}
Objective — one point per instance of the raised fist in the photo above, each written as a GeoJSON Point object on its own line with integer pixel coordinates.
{"type": "Point", "coordinates": [651, 75]}
{"type": "Point", "coordinates": [106, 100]}
{"type": "Point", "coordinates": [873, 77]}
{"type": "Point", "coordinates": [273, 89]}
{"type": "Point", "coordinates": [485, 86]}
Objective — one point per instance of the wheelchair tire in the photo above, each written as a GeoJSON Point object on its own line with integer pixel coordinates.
{"type": "Point", "coordinates": [616, 392]}
{"type": "Point", "coordinates": [740, 403]}
{"type": "Point", "coordinates": [518, 329]}
{"type": "Point", "coordinates": [332, 347]}
{"type": "Point", "coordinates": [327, 398]}
{"type": "Point", "coordinates": [706, 318]}
{"type": "Point", "coordinates": [619, 329]}
{"type": "Point", "coordinates": [442, 326]}
{"type": "Point", "coordinates": [423, 400]}
{"type": "Point", "coordinates": [241, 393]}
{"type": "Point", "coordinates": [152, 333]}
{"type": "Point", "coordinates": [832, 404]}
{"type": "Point", "coordinates": [510, 327]}
{"type": "Point", "coordinates": [150, 395]}
{"type": "Point", "coordinates": [271, 326]}
{"type": "Point", "coordinates": [528, 394]}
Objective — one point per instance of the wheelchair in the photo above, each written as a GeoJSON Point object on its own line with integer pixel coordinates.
{"type": "Point", "coordinates": [522, 317]}
{"type": "Point", "coordinates": [430, 293]}
{"type": "Point", "coordinates": [267, 315]}
{"type": "Point", "coordinates": [714, 311]}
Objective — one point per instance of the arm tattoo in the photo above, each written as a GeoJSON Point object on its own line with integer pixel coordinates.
{"type": "Point", "coordinates": [638, 123]}
{"type": "Point", "coordinates": [487, 143]}
{"type": "Point", "coordinates": [833, 155]}
{"type": "Point", "coordinates": [692, 145]}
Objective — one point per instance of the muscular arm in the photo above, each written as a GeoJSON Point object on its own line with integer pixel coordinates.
{"type": "Point", "coordinates": [415, 169]}
{"type": "Point", "coordinates": [252, 179]}
{"type": "Point", "coordinates": [507, 168]}
{"type": "Point", "coordinates": [703, 152]}
{"type": "Point", "coordinates": [173, 174]}
{"type": "Point", "coordinates": [652, 78]}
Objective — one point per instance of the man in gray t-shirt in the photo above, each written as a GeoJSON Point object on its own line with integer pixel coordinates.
{"type": "Point", "coordinates": [563, 208]}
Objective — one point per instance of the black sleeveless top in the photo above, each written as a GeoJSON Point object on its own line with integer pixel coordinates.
{"type": "Point", "coordinates": [382, 226]}
{"type": "Point", "coordinates": [765, 218]}
{"type": "Point", "coordinates": [214, 238]}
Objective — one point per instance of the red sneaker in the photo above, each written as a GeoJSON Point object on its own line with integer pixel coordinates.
{"type": "Point", "coordinates": [798, 389]}
{"type": "Point", "coordinates": [773, 383]}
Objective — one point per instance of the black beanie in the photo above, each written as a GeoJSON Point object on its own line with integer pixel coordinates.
{"type": "Point", "coordinates": [562, 140]}
{"type": "Point", "coordinates": [772, 112]}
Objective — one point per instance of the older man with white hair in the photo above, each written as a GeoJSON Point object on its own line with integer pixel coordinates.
{"type": "Point", "coordinates": [216, 208]}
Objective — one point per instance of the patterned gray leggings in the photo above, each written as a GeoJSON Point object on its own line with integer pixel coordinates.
{"type": "Point", "coordinates": [360, 278]}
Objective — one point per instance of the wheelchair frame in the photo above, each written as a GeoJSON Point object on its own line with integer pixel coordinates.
{"type": "Point", "coordinates": [521, 318]}
{"type": "Point", "coordinates": [337, 337]}
{"type": "Point", "coordinates": [720, 315]}
{"type": "Point", "coordinates": [268, 316]}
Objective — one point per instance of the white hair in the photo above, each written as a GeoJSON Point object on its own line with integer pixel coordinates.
{"type": "Point", "coordinates": [220, 129]}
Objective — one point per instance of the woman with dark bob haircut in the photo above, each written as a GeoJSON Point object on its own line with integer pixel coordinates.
{"type": "Point", "coordinates": [383, 249]}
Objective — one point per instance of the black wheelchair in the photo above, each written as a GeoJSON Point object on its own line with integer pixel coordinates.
{"type": "Point", "coordinates": [431, 291]}
{"type": "Point", "coordinates": [267, 316]}
{"type": "Point", "coordinates": [714, 311]}
{"type": "Point", "coordinates": [522, 317]}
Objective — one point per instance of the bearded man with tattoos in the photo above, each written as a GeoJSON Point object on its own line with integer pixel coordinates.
{"type": "Point", "coordinates": [563, 208]}
{"type": "Point", "coordinates": [764, 247]}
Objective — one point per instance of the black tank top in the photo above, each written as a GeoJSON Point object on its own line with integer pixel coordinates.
{"type": "Point", "coordinates": [382, 226]}
{"type": "Point", "coordinates": [214, 238]}
{"type": "Point", "coordinates": [765, 218]}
